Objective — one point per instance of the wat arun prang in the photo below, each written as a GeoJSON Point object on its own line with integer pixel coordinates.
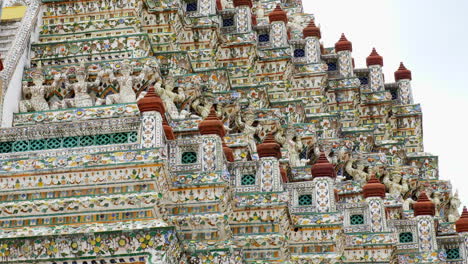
{"type": "Point", "coordinates": [204, 131]}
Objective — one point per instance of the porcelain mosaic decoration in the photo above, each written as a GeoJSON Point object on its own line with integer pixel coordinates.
{"type": "Point", "coordinates": [209, 131]}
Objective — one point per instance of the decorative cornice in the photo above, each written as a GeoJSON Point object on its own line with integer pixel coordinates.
{"type": "Point", "coordinates": [83, 128]}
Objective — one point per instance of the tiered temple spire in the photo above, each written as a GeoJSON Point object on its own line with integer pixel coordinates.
{"type": "Point", "coordinates": [321, 160]}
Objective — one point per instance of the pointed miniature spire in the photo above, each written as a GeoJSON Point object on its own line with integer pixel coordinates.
{"type": "Point", "coordinates": [212, 125]}
{"type": "Point", "coordinates": [402, 73]}
{"type": "Point", "coordinates": [374, 59]}
{"type": "Point", "coordinates": [219, 5]}
{"type": "Point", "coordinates": [242, 3]}
{"type": "Point", "coordinates": [254, 20]}
{"type": "Point", "coordinates": [269, 148]}
{"type": "Point", "coordinates": [323, 168]}
{"type": "Point", "coordinates": [374, 188]}
{"type": "Point", "coordinates": [311, 30]}
{"type": "Point", "coordinates": [284, 175]}
{"type": "Point", "coordinates": [462, 223]}
{"type": "Point", "coordinates": [168, 131]}
{"type": "Point", "coordinates": [1, 65]}
{"type": "Point", "coordinates": [423, 206]}
{"type": "Point", "coordinates": [343, 44]}
{"type": "Point", "coordinates": [278, 14]}
{"type": "Point", "coordinates": [228, 152]}
{"type": "Point", "coordinates": [151, 102]}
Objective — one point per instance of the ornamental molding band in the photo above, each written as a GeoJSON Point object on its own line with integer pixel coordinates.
{"type": "Point", "coordinates": [202, 131]}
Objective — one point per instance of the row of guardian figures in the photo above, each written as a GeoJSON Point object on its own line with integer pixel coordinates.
{"type": "Point", "coordinates": [82, 91]}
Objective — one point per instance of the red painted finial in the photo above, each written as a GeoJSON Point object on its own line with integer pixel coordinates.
{"type": "Point", "coordinates": [374, 59]}
{"type": "Point", "coordinates": [373, 188]}
{"type": "Point", "coordinates": [402, 73]}
{"type": "Point", "coordinates": [212, 125]}
{"type": "Point", "coordinates": [269, 148]}
{"type": "Point", "coordinates": [278, 14]}
{"type": "Point", "coordinates": [219, 6]}
{"type": "Point", "coordinates": [343, 44]}
{"type": "Point", "coordinates": [254, 20]}
{"type": "Point", "coordinates": [462, 223]}
{"type": "Point", "coordinates": [423, 206]}
{"type": "Point", "coordinates": [228, 152]}
{"type": "Point", "coordinates": [151, 102]}
{"type": "Point", "coordinates": [323, 168]}
{"type": "Point", "coordinates": [237, 3]}
{"type": "Point", "coordinates": [168, 131]}
{"type": "Point", "coordinates": [284, 175]}
{"type": "Point", "coordinates": [311, 30]}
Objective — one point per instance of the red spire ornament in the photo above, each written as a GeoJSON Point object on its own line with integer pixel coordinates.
{"type": "Point", "coordinates": [278, 14]}
{"type": "Point", "coordinates": [284, 175]}
{"type": "Point", "coordinates": [151, 102]}
{"type": "Point", "coordinates": [323, 168]}
{"type": "Point", "coordinates": [219, 6]}
{"type": "Point", "coordinates": [269, 148]}
{"type": "Point", "coordinates": [228, 152]}
{"type": "Point", "coordinates": [402, 73]}
{"type": "Point", "coordinates": [424, 206]}
{"type": "Point", "coordinates": [462, 223]}
{"type": "Point", "coordinates": [212, 125]}
{"type": "Point", "coordinates": [373, 188]}
{"type": "Point", "coordinates": [254, 20]}
{"type": "Point", "coordinates": [237, 3]}
{"type": "Point", "coordinates": [343, 44]}
{"type": "Point", "coordinates": [311, 30]}
{"type": "Point", "coordinates": [168, 130]}
{"type": "Point", "coordinates": [374, 59]}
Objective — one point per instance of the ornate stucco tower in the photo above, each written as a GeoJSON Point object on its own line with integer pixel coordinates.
{"type": "Point", "coordinates": [209, 131]}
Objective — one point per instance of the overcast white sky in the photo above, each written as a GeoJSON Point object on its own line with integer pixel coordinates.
{"type": "Point", "coordinates": [430, 37]}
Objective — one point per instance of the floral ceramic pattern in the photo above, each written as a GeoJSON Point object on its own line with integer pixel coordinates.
{"type": "Point", "coordinates": [95, 159]}
{"type": "Point", "coordinates": [212, 158]}
{"type": "Point", "coordinates": [78, 114]}
{"type": "Point", "coordinates": [318, 219]}
{"type": "Point", "coordinates": [312, 50]}
{"type": "Point", "coordinates": [322, 195]}
{"type": "Point", "coordinates": [426, 233]}
{"type": "Point", "coordinates": [82, 204]}
{"type": "Point", "coordinates": [159, 243]}
{"type": "Point", "coordinates": [345, 63]}
{"type": "Point", "coordinates": [68, 179]}
{"type": "Point", "coordinates": [376, 211]}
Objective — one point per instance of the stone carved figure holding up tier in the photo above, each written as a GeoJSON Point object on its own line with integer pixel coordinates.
{"type": "Point", "coordinates": [248, 129]}
{"type": "Point", "coordinates": [228, 113]}
{"type": "Point", "coordinates": [357, 173]}
{"type": "Point", "coordinates": [395, 184]}
{"type": "Point", "coordinates": [38, 92]}
{"type": "Point", "coordinates": [437, 202]}
{"type": "Point", "coordinates": [407, 203]}
{"type": "Point", "coordinates": [452, 212]}
{"type": "Point", "coordinates": [170, 98]}
{"type": "Point", "coordinates": [202, 106]}
{"type": "Point", "coordinates": [293, 143]}
{"type": "Point", "coordinates": [279, 133]}
{"type": "Point", "coordinates": [81, 87]}
{"type": "Point", "coordinates": [126, 81]}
